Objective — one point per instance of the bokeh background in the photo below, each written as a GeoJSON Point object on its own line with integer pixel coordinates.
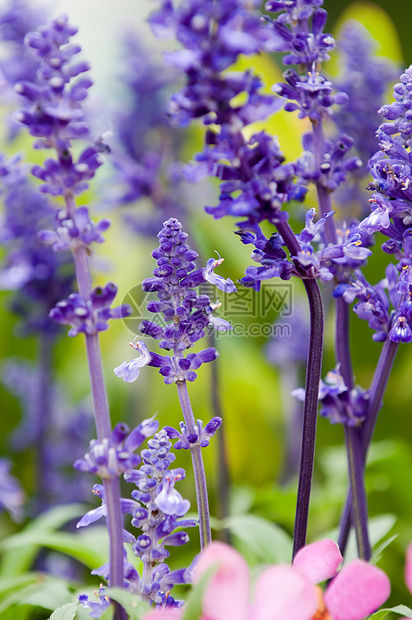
{"type": "Point", "coordinates": [253, 390]}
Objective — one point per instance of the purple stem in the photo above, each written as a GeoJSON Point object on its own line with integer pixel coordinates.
{"type": "Point", "coordinates": [310, 410]}
{"type": "Point", "coordinates": [352, 435]}
{"type": "Point", "coordinates": [377, 390]}
{"type": "Point", "coordinates": [198, 467]}
{"type": "Point", "coordinates": [103, 423]}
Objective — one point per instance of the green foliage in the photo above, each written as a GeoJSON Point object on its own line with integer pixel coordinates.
{"type": "Point", "coordinates": [260, 540]}
{"type": "Point", "coordinates": [19, 551]}
{"type": "Point", "coordinates": [193, 607]}
{"type": "Point", "coordinates": [67, 612]}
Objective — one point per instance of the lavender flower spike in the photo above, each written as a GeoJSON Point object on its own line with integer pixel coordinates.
{"type": "Point", "coordinates": [186, 315]}
{"type": "Point", "coordinates": [56, 118]}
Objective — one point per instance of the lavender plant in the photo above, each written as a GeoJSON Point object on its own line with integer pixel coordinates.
{"type": "Point", "coordinates": [263, 192]}
{"type": "Point", "coordinates": [256, 183]}
{"type": "Point", "coordinates": [186, 316]}
{"type": "Point", "coordinates": [56, 118]}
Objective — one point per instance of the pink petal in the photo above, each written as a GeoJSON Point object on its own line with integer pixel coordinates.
{"type": "Point", "coordinates": [227, 595]}
{"type": "Point", "coordinates": [164, 614]}
{"type": "Point", "coordinates": [319, 560]}
{"type": "Point", "coordinates": [283, 592]}
{"type": "Point", "coordinates": [408, 568]}
{"type": "Point", "coordinates": [357, 591]}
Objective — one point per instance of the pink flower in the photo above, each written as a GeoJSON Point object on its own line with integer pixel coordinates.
{"type": "Point", "coordinates": [288, 591]}
{"type": "Point", "coordinates": [408, 568]}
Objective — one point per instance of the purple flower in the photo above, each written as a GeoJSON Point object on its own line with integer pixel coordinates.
{"type": "Point", "coordinates": [310, 92]}
{"type": "Point", "coordinates": [11, 493]}
{"type": "Point", "coordinates": [92, 316]}
{"type": "Point", "coordinates": [97, 608]}
{"type": "Point", "coordinates": [213, 36]}
{"type": "Point", "coordinates": [158, 511]}
{"type": "Point", "coordinates": [73, 233]}
{"type": "Point", "coordinates": [55, 115]}
{"type": "Point", "coordinates": [169, 499]}
{"type": "Point", "coordinates": [201, 437]}
{"type": "Point", "coordinates": [114, 456]}
{"type": "Point", "coordinates": [226, 286]}
{"type": "Point", "coordinates": [186, 315]}
{"type": "Point", "coordinates": [39, 277]}
{"type": "Point", "coordinates": [129, 371]}
{"type": "Point", "coordinates": [338, 403]}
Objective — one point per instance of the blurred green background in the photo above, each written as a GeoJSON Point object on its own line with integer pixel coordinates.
{"type": "Point", "coordinates": [251, 388]}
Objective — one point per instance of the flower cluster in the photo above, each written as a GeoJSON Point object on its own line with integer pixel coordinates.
{"type": "Point", "coordinates": [73, 233]}
{"type": "Point", "coordinates": [31, 269]}
{"type": "Point", "coordinates": [256, 182]}
{"type": "Point", "coordinates": [308, 46]}
{"type": "Point", "coordinates": [314, 259]}
{"type": "Point", "coordinates": [338, 403]}
{"type": "Point", "coordinates": [374, 303]}
{"type": "Point", "coordinates": [391, 169]}
{"type": "Point", "coordinates": [365, 79]}
{"type": "Point", "coordinates": [92, 316]}
{"type": "Point", "coordinates": [11, 493]}
{"type": "Point", "coordinates": [17, 63]}
{"type": "Point", "coordinates": [56, 115]}
{"type": "Point", "coordinates": [158, 516]}
{"type": "Point", "coordinates": [201, 437]}
{"type": "Point", "coordinates": [186, 315]}
{"type": "Point", "coordinates": [213, 35]}
{"type": "Point", "coordinates": [157, 509]}
{"type": "Point", "coordinates": [115, 455]}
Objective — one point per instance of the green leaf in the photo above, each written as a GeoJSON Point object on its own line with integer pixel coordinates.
{"type": "Point", "coordinates": [19, 559]}
{"type": "Point", "coordinates": [379, 527]}
{"type": "Point", "coordinates": [193, 607]}
{"type": "Point", "coordinates": [377, 554]}
{"type": "Point", "coordinates": [55, 517]}
{"type": "Point", "coordinates": [90, 548]}
{"type": "Point", "coordinates": [16, 597]}
{"type": "Point", "coordinates": [379, 615]}
{"type": "Point", "coordinates": [402, 610]}
{"type": "Point", "coordinates": [67, 612]}
{"type": "Point", "coordinates": [51, 594]}
{"type": "Point", "coordinates": [17, 582]}
{"type": "Point", "coordinates": [40, 591]}
{"type": "Point", "coordinates": [266, 540]}
{"type": "Point", "coordinates": [134, 606]}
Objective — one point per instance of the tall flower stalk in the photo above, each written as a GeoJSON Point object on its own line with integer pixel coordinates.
{"type": "Point", "coordinates": [56, 118]}
{"type": "Point", "coordinates": [256, 181]}
{"type": "Point", "coordinates": [186, 316]}
{"type": "Point", "coordinates": [146, 169]}
{"type": "Point", "coordinates": [386, 306]}
{"type": "Point", "coordinates": [300, 30]}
